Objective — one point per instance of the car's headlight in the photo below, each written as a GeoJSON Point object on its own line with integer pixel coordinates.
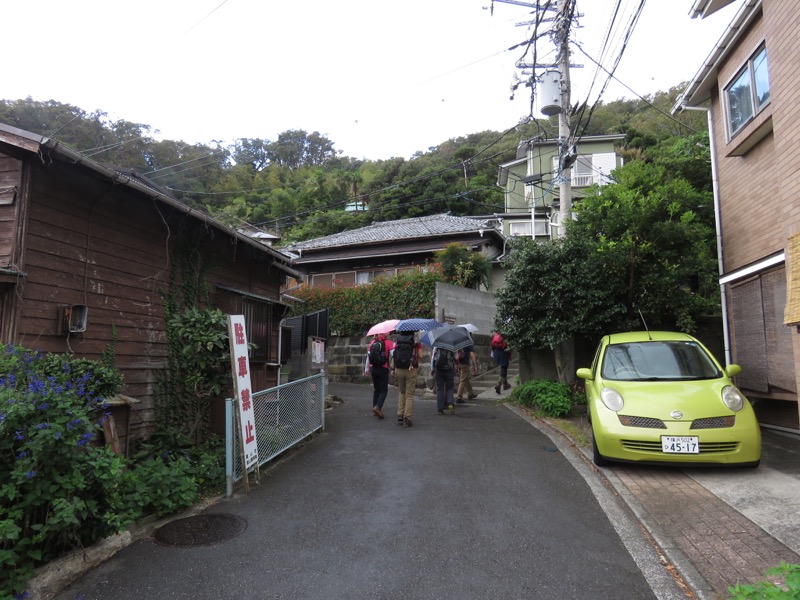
{"type": "Point", "coordinates": [612, 399]}
{"type": "Point", "coordinates": [732, 398]}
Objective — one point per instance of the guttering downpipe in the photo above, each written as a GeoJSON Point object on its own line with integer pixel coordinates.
{"type": "Point", "coordinates": [718, 227]}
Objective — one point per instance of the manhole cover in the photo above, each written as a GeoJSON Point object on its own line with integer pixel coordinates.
{"type": "Point", "coordinates": [475, 415]}
{"type": "Point", "coordinates": [200, 530]}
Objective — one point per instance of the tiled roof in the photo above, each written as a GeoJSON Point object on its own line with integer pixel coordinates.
{"type": "Point", "coordinates": [389, 231]}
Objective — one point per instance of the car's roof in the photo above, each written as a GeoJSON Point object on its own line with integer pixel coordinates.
{"type": "Point", "coordinates": [648, 336]}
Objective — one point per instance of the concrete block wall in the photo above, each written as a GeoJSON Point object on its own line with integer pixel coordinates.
{"type": "Point", "coordinates": [346, 357]}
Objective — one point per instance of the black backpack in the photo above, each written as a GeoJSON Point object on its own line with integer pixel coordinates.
{"type": "Point", "coordinates": [444, 360]}
{"type": "Point", "coordinates": [404, 352]}
{"type": "Point", "coordinates": [377, 353]}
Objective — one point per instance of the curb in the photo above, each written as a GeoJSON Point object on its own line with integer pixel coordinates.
{"type": "Point", "coordinates": [56, 575]}
{"type": "Point", "coordinates": [673, 559]}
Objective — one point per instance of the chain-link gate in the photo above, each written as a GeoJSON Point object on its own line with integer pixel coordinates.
{"type": "Point", "coordinates": [284, 415]}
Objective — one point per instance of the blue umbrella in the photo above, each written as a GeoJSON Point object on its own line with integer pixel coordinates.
{"type": "Point", "coordinates": [417, 325]}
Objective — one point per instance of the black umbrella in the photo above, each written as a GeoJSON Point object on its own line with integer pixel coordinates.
{"type": "Point", "coordinates": [449, 338]}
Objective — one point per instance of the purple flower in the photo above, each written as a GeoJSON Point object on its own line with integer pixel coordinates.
{"type": "Point", "coordinates": [19, 436]}
{"type": "Point", "coordinates": [30, 474]}
{"type": "Point", "coordinates": [85, 439]}
{"type": "Point", "coordinates": [22, 455]}
{"type": "Point", "coordinates": [43, 426]}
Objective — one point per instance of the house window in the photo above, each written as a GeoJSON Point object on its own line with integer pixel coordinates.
{"type": "Point", "coordinates": [583, 171]}
{"type": "Point", "coordinates": [344, 279]}
{"type": "Point", "coordinates": [749, 93]}
{"type": "Point", "coordinates": [523, 228]}
{"type": "Point", "coordinates": [322, 281]}
{"type": "Point", "coordinates": [582, 174]}
{"type": "Point", "coordinates": [258, 325]}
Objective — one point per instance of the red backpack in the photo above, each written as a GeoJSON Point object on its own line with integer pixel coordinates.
{"type": "Point", "coordinates": [498, 343]}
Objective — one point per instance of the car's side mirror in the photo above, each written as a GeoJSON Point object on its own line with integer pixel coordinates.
{"type": "Point", "coordinates": [733, 370]}
{"type": "Point", "coordinates": [584, 373]}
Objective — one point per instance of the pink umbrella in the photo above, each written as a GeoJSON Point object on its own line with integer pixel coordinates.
{"type": "Point", "coordinates": [383, 327]}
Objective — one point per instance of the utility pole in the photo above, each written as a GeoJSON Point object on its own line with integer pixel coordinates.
{"type": "Point", "coordinates": [565, 151]}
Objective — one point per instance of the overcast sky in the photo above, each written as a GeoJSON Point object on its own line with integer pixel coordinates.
{"type": "Point", "coordinates": [378, 78]}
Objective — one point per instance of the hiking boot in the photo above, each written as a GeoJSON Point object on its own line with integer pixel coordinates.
{"type": "Point", "coordinates": [399, 419]}
{"type": "Point", "coordinates": [380, 412]}
{"type": "Point", "coordinates": [440, 412]}
{"type": "Point", "coordinates": [506, 386]}
{"type": "Point", "coordinates": [407, 422]}
{"type": "Point", "coordinates": [376, 412]}
{"type": "Point", "coordinates": [460, 401]}
{"type": "Point", "coordinates": [451, 408]}
{"type": "Point", "coordinates": [497, 388]}
{"type": "Point", "coordinates": [472, 396]}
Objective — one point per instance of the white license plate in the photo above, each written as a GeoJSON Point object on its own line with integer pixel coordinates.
{"type": "Point", "coordinates": [680, 444]}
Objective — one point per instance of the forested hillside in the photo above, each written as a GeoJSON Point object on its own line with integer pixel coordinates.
{"type": "Point", "coordinates": [299, 186]}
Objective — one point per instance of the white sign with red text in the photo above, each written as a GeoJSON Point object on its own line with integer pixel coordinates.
{"type": "Point", "coordinates": [240, 365]}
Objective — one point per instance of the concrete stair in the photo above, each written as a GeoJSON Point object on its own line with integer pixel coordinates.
{"type": "Point", "coordinates": [483, 385]}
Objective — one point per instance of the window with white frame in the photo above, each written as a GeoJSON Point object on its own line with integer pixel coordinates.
{"type": "Point", "coordinates": [582, 174]}
{"type": "Point", "coordinates": [748, 92]}
{"type": "Point", "coordinates": [523, 228]}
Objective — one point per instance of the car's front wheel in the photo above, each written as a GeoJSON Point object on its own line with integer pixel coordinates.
{"type": "Point", "coordinates": [598, 458]}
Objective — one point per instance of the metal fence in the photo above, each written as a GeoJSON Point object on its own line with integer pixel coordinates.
{"type": "Point", "coordinates": [284, 415]}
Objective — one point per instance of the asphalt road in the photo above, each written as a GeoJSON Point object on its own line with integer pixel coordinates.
{"type": "Point", "coordinates": [480, 504]}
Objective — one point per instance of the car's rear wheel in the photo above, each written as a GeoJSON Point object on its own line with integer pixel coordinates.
{"type": "Point", "coordinates": [598, 458]}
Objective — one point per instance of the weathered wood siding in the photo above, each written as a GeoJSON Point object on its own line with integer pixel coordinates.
{"type": "Point", "coordinates": [10, 180]}
{"type": "Point", "coordinates": [94, 243]}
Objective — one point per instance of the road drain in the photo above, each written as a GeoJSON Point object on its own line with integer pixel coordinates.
{"type": "Point", "coordinates": [200, 530]}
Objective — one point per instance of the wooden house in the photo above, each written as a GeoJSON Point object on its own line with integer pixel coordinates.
{"type": "Point", "coordinates": [87, 252]}
{"type": "Point", "coordinates": [388, 248]}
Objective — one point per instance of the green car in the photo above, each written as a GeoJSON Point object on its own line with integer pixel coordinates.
{"type": "Point", "coordinates": [658, 397]}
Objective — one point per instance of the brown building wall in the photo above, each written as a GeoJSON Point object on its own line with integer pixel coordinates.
{"type": "Point", "coordinates": [759, 183]}
{"type": "Point", "coordinates": [91, 242]}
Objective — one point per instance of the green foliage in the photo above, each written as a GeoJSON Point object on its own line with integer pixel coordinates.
{"type": "Point", "coordinates": [62, 488]}
{"type": "Point", "coordinates": [58, 484]}
{"type": "Point", "coordinates": [553, 398]}
{"type": "Point", "coordinates": [463, 267]}
{"type": "Point", "coordinates": [553, 290]}
{"type": "Point", "coordinates": [763, 590]}
{"type": "Point", "coordinates": [653, 238]}
{"type": "Point", "coordinates": [354, 309]}
{"type": "Point", "coordinates": [198, 355]}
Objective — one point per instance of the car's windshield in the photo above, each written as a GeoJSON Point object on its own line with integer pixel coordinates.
{"type": "Point", "coordinates": [638, 361]}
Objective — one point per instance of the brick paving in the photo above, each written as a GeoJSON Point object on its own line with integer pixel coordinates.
{"type": "Point", "coordinates": [724, 546]}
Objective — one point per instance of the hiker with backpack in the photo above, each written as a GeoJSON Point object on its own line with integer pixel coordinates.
{"type": "Point", "coordinates": [501, 354]}
{"type": "Point", "coordinates": [405, 367]}
{"type": "Point", "coordinates": [467, 364]}
{"type": "Point", "coordinates": [379, 352]}
{"type": "Point", "coordinates": [443, 369]}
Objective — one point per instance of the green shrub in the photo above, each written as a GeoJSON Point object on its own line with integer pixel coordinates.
{"type": "Point", "coordinates": [60, 487]}
{"type": "Point", "coordinates": [765, 589]}
{"type": "Point", "coordinates": [354, 309]}
{"type": "Point", "coordinates": [57, 481]}
{"type": "Point", "coordinates": [553, 398]}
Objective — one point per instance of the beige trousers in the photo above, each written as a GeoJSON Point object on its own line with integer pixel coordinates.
{"type": "Point", "coordinates": [406, 385]}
